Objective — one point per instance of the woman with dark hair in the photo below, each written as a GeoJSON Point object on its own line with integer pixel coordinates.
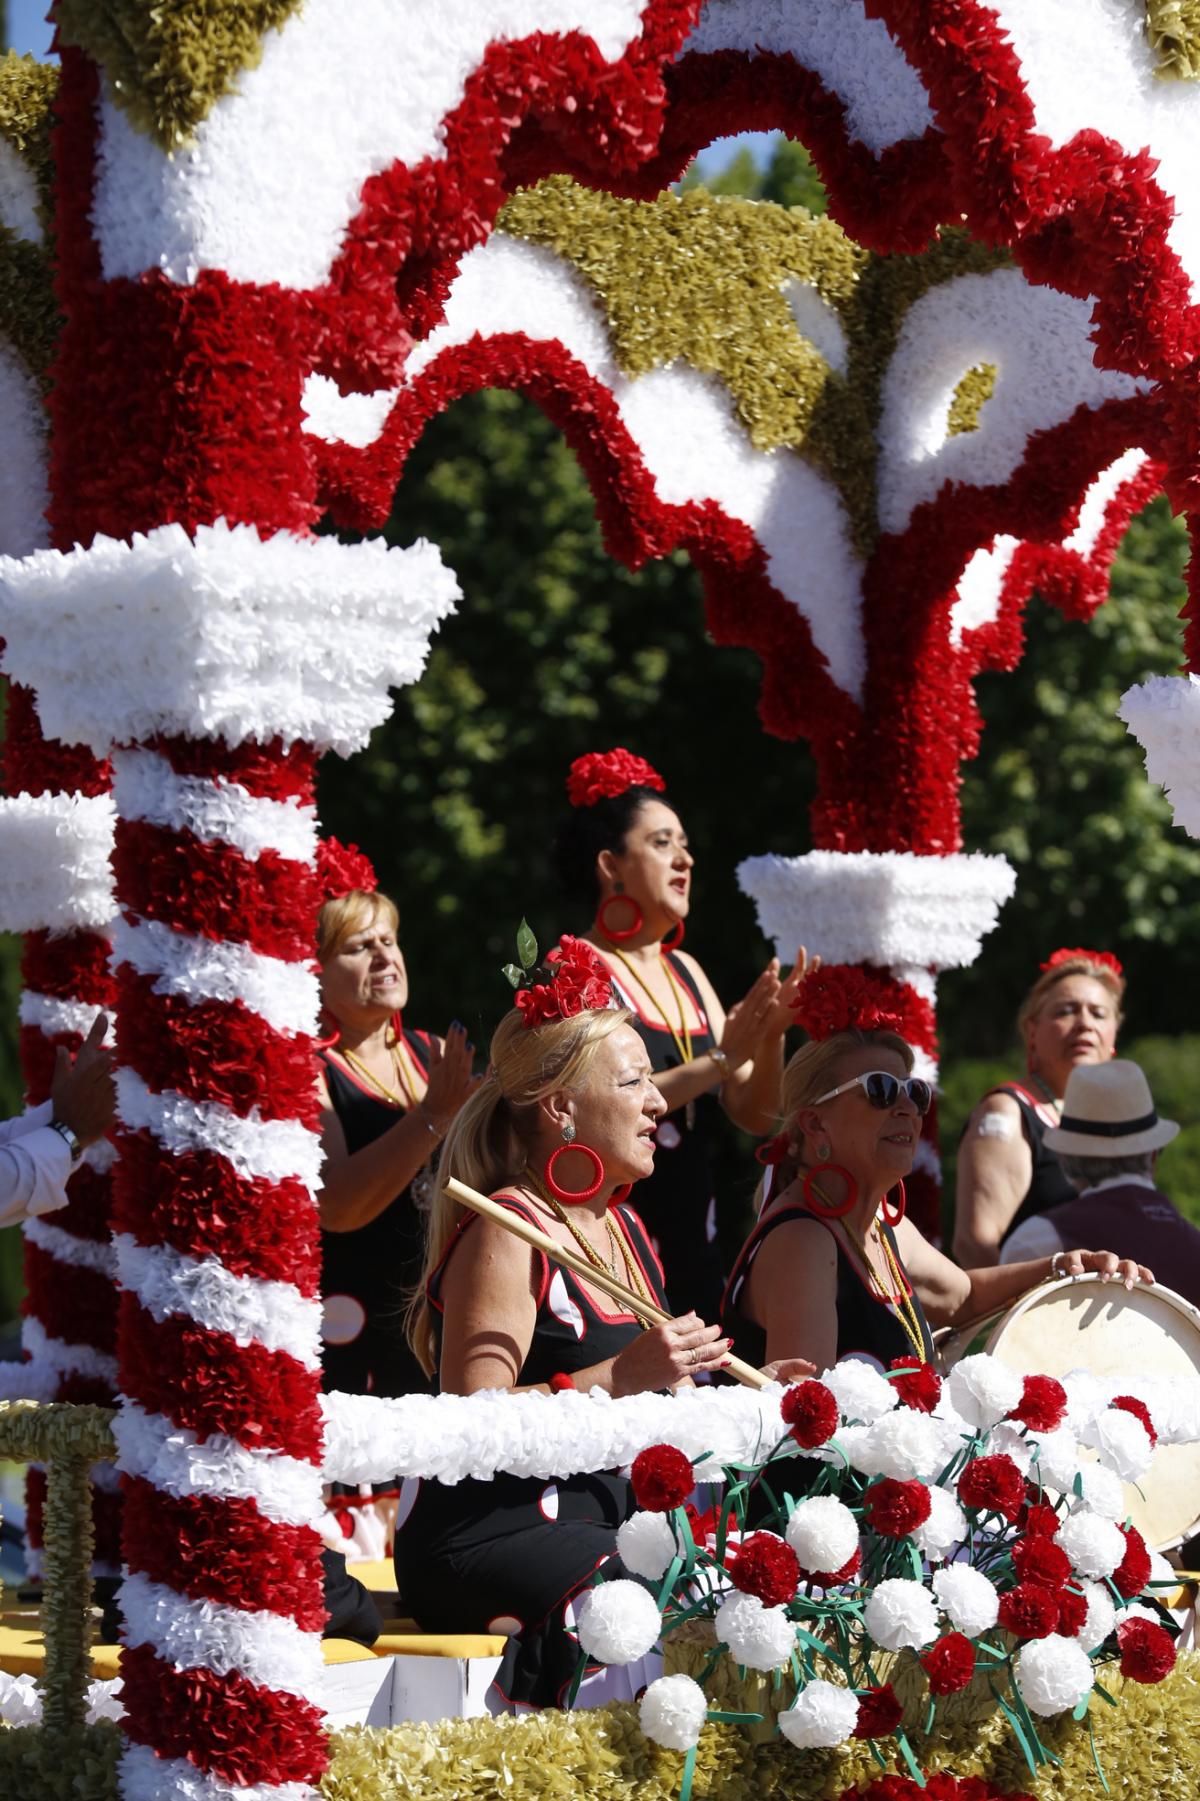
{"type": "Point", "coordinates": [622, 855]}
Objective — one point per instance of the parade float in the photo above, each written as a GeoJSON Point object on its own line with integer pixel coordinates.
{"type": "Point", "coordinates": [248, 251]}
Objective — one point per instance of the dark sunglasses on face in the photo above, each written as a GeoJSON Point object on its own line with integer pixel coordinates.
{"type": "Point", "coordinates": [883, 1090]}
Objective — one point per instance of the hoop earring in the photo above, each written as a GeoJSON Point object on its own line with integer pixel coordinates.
{"type": "Point", "coordinates": [396, 1028]}
{"type": "Point", "coordinates": [620, 1194]}
{"type": "Point", "coordinates": [816, 1201]}
{"type": "Point", "coordinates": [894, 1218]}
{"type": "Point", "coordinates": [334, 1038]}
{"type": "Point", "coordinates": [571, 1197]}
{"type": "Point", "coordinates": [618, 935]}
{"type": "Point", "coordinates": [676, 939]}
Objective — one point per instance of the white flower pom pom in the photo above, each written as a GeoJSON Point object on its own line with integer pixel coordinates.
{"type": "Point", "coordinates": [1095, 1546]}
{"type": "Point", "coordinates": [1177, 1413]}
{"type": "Point", "coordinates": [901, 1613]}
{"type": "Point", "coordinates": [904, 1444]}
{"type": "Point", "coordinates": [618, 1622]}
{"type": "Point", "coordinates": [760, 1637]}
{"type": "Point", "coordinates": [1101, 1616]}
{"type": "Point", "coordinates": [1103, 1491]}
{"type": "Point", "coordinates": [1121, 1442]}
{"type": "Point", "coordinates": [945, 1528]}
{"type": "Point", "coordinates": [821, 1716]}
{"type": "Point", "coordinates": [983, 1390]}
{"type": "Point", "coordinates": [860, 1391]}
{"type": "Point", "coordinates": [1057, 1460]}
{"type": "Point", "coordinates": [1085, 1398]}
{"type": "Point", "coordinates": [823, 1533]}
{"type": "Point", "coordinates": [646, 1545]}
{"type": "Point", "coordinates": [1011, 1442]}
{"type": "Point", "coordinates": [967, 1599]}
{"type": "Point", "coordinates": [1053, 1674]}
{"type": "Point", "coordinates": [673, 1711]}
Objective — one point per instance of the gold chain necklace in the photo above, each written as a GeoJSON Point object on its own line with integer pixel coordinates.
{"type": "Point", "coordinates": [900, 1301]}
{"type": "Point", "coordinates": [407, 1098]}
{"type": "Point", "coordinates": [616, 1244]}
{"type": "Point", "coordinates": [683, 1037]}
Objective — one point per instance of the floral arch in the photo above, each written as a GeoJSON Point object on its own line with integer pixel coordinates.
{"type": "Point", "coordinates": [279, 247]}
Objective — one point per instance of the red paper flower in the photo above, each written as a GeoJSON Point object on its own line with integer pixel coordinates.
{"type": "Point", "coordinates": [1104, 958]}
{"type": "Point", "coordinates": [1133, 1572]}
{"type": "Point", "coordinates": [1029, 1611]}
{"type": "Point", "coordinates": [993, 1485]}
{"type": "Point", "coordinates": [920, 1385]}
{"type": "Point", "coordinates": [343, 867]}
{"type": "Point", "coordinates": [879, 1712]}
{"type": "Point", "coordinates": [1043, 1404]}
{"type": "Point", "coordinates": [1147, 1650]}
{"type": "Point", "coordinates": [767, 1567]}
{"type": "Point", "coordinates": [810, 1413]}
{"type": "Point", "coordinates": [1140, 1411]}
{"type": "Point", "coordinates": [1037, 1519]}
{"type": "Point", "coordinates": [1072, 1611]}
{"type": "Point", "coordinates": [601, 775]}
{"type": "Point", "coordinates": [949, 1663]}
{"type": "Point", "coordinates": [662, 1478]}
{"type": "Point", "coordinates": [839, 998]}
{"type": "Point", "coordinates": [896, 1508]}
{"type": "Point", "coordinates": [836, 1578]}
{"type": "Point", "coordinates": [1039, 1559]}
{"type": "Point", "coordinates": [580, 983]}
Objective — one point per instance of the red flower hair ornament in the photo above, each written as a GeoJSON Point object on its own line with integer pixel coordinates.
{"type": "Point", "coordinates": [342, 868]}
{"type": "Point", "coordinates": [839, 998]}
{"type": "Point", "coordinates": [573, 979]}
{"type": "Point", "coordinates": [603, 774]}
{"type": "Point", "coordinates": [1105, 959]}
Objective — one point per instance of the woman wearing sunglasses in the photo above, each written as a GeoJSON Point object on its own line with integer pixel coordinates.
{"type": "Point", "coordinates": [847, 1274]}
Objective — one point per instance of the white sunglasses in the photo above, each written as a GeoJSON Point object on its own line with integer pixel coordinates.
{"type": "Point", "coordinates": [883, 1089]}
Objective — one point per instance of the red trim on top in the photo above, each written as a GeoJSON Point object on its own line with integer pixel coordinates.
{"type": "Point", "coordinates": [1038, 1102]}
{"type": "Point", "coordinates": [749, 1251]}
{"type": "Point", "coordinates": [689, 986]}
{"type": "Point", "coordinates": [326, 1051]}
{"type": "Point", "coordinates": [506, 1198]}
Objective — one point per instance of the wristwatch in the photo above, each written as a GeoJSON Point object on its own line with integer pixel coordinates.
{"type": "Point", "coordinates": [68, 1137]}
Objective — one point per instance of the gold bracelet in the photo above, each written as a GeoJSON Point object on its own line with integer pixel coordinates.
{"type": "Point", "coordinates": [721, 1059]}
{"type": "Point", "coordinates": [435, 1131]}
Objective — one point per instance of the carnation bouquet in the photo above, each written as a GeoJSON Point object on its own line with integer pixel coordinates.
{"type": "Point", "coordinates": [903, 1533]}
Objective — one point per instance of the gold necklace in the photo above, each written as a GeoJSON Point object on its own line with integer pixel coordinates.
{"type": "Point", "coordinates": [616, 1244]}
{"type": "Point", "coordinates": [683, 1037]}
{"type": "Point", "coordinates": [407, 1098]}
{"type": "Point", "coordinates": [900, 1301]}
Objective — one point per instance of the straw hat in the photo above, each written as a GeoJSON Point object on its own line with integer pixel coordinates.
{"type": "Point", "coordinates": [1108, 1111]}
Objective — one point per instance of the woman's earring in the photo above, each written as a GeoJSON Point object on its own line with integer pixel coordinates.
{"type": "Point", "coordinates": [823, 1153]}
{"type": "Point", "coordinates": [568, 1132]}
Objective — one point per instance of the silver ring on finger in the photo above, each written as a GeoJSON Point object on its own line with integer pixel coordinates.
{"type": "Point", "coordinates": [694, 1354]}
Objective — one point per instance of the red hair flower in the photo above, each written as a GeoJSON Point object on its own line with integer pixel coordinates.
{"type": "Point", "coordinates": [342, 868]}
{"type": "Point", "coordinates": [767, 1567]}
{"type": "Point", "coordinates": [879, 1713]}
{"type": "Point", "coordinates": [1140, 1411]}
{"type": "Point", "coordinates": [919, 1385]}
{"type": "Point", "coordinates": [993, 1485]}
{"type": "Point", "coordinates": [838, 997]}
{"type": "Point", "coordinates": [662, 1478]}
{"type": "Point", "coordinates": [602, 775]}
{"type": "Point", "coordinates": [1147, 1650]}
{"type": "Point", "coordinates": [810, 1413]}
{"type": "Point", "coordinates": [1133, 1572]}
{"type": "Point", "coordinates": [1105, 959]}
{"type": "Point", "coordinates": [1043, 1404]}
{"type": "Point", "coordinates": [579, 983]}
{"type": "Point", "coordinates": [897, 1508]}
{"type": "Point", "coordinates": [1029, 1611]}
{"type": "Point", "coordinates": [949, 1663]}
{"type": "Point", "coordinates": [1040, 1559]}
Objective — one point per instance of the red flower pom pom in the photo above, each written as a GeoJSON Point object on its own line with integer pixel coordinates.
{"type": "Point", "coordinates": [662, 1478]}
{"type": "Point", "coordinates": [1039, 1559]}
{"type": "Point", "coordinates": [993, 1485]}
{"type": "Point", "coordinates": [897, 1508]}
{"type": "Point", "coordinates": [343, 867]}
{"type": "Point", "coordinates": [835, 1578]}
{"type": "Point", "coordinates": [837, 998]}
{"type": "Point", "coordinates": [919, 1387]}
{"type": "Point", "coordinates": [1029, 1610]}
{"type": "Point", "coordinates": [949, 1663]}
{"type": "Point", "coordinates": [879, 1713]}
{"type": "Point", "coordinates": [601, 775]}
{"type": "Point", "coordinates": [1140, 1411]}
{"type": "Point", "coordinates": [1133, 1572]}
{"type": "Point", "coordinates": [810, 1413]}
{"type": "Point", "coordinates": [1043, 1404]}
{"type": "Point", "coordinates": [580, 983]}
{"type": "Point", "coordinates": [1072, 1611]}
{"type": "Point", "coordinates": [767, 1567]}
{"type": "Point", "coordinates": [1147, 1650]}
{"type": "Point", "coordinates": [1104, 958]}
{"type": "Point", "coordinates": [941, 1786]}
{"type": "Point", "coordinates": [1038, 1519]}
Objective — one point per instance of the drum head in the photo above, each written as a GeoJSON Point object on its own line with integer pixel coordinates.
{"type": "Point", "coordinates": [1099, 1326]}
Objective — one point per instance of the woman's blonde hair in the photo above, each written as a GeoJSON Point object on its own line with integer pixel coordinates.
{"type": "Point", "coordinates": [346, 914]}
{"type": "Point", "coordinates": [486, 1145]}
{"type": "Point", "coordinates": [812, 1072]}
{"type": "Point", "coordinates": [1080, 965]}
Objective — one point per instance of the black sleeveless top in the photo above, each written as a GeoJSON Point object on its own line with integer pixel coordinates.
{"type": "Point", "coordinates": [366, 1274]}
{"type": "Point", "coordinates": [1048, 1187]}
{"type": "Point", "coordinates": [678, 1200]}
{"type": "Point", "coordinates": [867, 1326]}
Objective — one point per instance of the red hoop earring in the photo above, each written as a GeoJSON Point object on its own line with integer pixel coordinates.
{"type": "Point", "coordinates": [571, 1197]}
{"type": "Point", "coordinates": [620, 1194]}
{"type": "Point", "coordinates": [614, 935]}
{"type": "Point", "coordinates": [894, 1218]}
{"type": "Point", "coordinates": [396, 1026]}
{"type": "Point", "coordinates": [676, 939]}
{"type": "Point", "coordinates": [819, 1205]}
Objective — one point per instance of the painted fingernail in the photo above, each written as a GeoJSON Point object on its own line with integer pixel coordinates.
{"type": "Point", "coordinates": [456, 1025]}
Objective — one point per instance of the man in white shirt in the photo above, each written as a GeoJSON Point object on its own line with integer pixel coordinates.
{"type": "Point", "coordinates": [39, 1149]}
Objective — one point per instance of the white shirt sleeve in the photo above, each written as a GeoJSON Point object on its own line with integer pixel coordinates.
{"type": "Point", "coordinates": [1035, 1238]}
{"type": "Point", "coordinates": [34, 1166]}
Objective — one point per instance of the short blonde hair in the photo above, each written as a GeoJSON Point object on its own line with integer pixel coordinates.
{"type": "Point", "coordinates": [1081, 965]}
{"type": "Point", "coordinates": [346, 914]}
{"type": "Point", "coordinates": [810, 1071]}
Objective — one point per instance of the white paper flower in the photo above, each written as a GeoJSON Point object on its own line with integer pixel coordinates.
{"type": "Point", "coordinates": [104, 1701]}
{"type": "Point", "coordinates": [1057, 1459]}
{"type": "Point", "coordinates": [646, 1545]}
{"type": "Point", "coordinates": [1053, 1674]}
{"type": "Point", "coordinates": [1103, 1491]}
{"type": "Point", "coordinates": [901, 1613]}
{"type": "Point", "coordinates": [760, 1637]}
{"type": "Point", "coordinates": [822, 1715]}
{"type": "Point", "coordinates": [1121, 1442]}
{"type": "Point", "coordinates": [1085, 1398]}
{"type": "Point", "coordinates": [1177, 1413]}
{"type": "Point", "coordinates": [1101, 1616]}
{"type": "Point", "coordinates": [673, 1711]}
{"type": "Point", "coordinates": [1135, 1611]}
{"type": "Point", "coordinates": [823, 1533]}
{"type": "Point", "coordinates": [904, 1444]}
{"type": "Point", "coordinates": [860, 1391]}
{"type": "Point", "coordinates": [854, 1444]}
{"type": "Point", "coordinates": [618, 1622]}
{"type": "Point", "coordinates": [983, 1390]}
{"type": "Point", "coordinates": [945, 1528]}
{"type": "Point", "coordinates": [1011, 1442]}
{"type": "Point", "coordinates": [967, 1599]}
{"type": "Point", "coordinates": [1095, 1545]}
{"type": "Point", "coordinates": [20, 1700]}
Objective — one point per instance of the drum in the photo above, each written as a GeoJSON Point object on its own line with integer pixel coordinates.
{"type": "Point", "coordinates": [1085, 1323]}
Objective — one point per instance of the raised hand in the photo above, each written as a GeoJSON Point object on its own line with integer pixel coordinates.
{"type": "Point", "coordinates": [749, 1020]}
{"type": "Point", "coordinates": [451, 1081]}
{"type": "Point", "coordinates": [82, 1092]}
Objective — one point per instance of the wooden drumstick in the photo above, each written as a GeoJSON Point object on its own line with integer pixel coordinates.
{"type": "Point", "coordinates": [538, 1240]}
